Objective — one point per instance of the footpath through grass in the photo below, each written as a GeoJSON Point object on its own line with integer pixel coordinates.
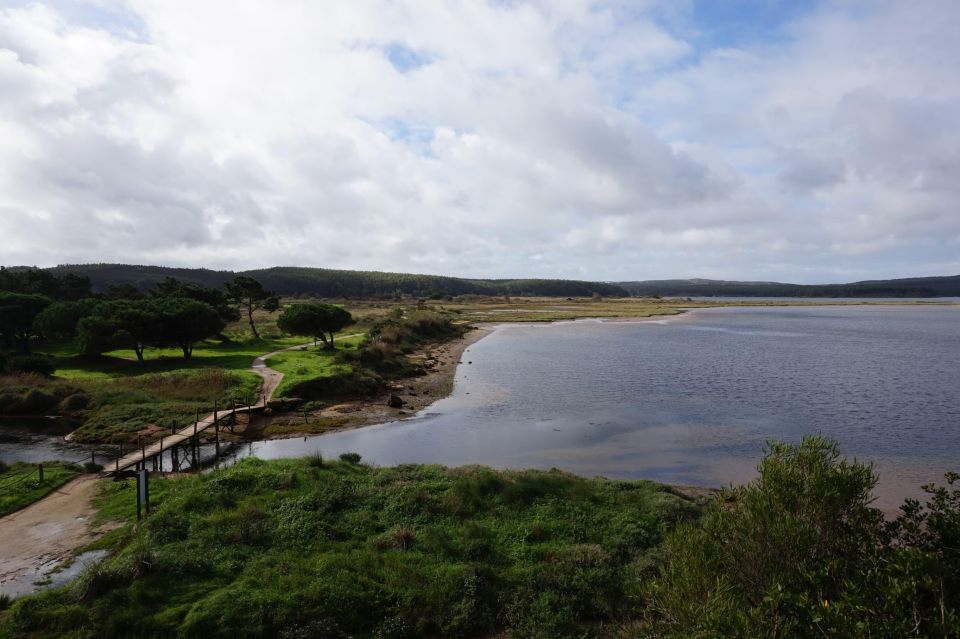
{"type": "Point", "coordinates": [20, 483]}
{"type": "Point", "coordinates": [310, 548]}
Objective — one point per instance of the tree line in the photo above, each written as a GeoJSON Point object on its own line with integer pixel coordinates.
{"type": "Point", "coordinates": [332, 283]}
{"type": "Point", "coordinates": [177, 314]}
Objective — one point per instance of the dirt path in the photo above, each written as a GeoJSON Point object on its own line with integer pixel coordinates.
{"type": "Point", "coordinates": [45, 534]}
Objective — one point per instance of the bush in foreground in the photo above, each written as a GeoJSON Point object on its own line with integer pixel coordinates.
{"type": "Point", "coordinates": [298, 548]}
{"type": "Point", "coordinates": [799, 552]}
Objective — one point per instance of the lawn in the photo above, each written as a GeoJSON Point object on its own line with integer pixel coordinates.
{"type": "Point", "coordinates": [310, 363]}
{"type": "Point", "coordinates": [311, 547]}
{"type": "Point", "coordinates": [20, 483]}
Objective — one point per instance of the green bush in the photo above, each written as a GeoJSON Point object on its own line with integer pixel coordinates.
{"type": "Point", "coordinates": [37, 364]}
{"type": "Point", "coordinates": [800, 552]}
{"type": "Point", "coordinates": [356, 383]}
{"type": "Point", "coordinates": [73, 403]}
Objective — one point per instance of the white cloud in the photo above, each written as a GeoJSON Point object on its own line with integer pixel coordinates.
{"type": "Point", "coordinates": [488, 139]}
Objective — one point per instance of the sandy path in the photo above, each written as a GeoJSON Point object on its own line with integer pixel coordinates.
{"type": "Point", "coordinates": [45, 534]}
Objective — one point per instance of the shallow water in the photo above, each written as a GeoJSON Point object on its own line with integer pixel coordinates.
{"type": "Point", "coordinates": [691, 400]}
{"type": "Point", "coordinates": [52, 574]}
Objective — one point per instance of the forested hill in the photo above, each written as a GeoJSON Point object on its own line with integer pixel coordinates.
{"type": "Point", "coordinates": [335, 283]}
{"type": "Point", "coordinates": [909, 287]}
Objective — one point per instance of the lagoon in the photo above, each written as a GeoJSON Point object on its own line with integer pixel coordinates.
{"type": "Point", "coordinates": [691, 399]}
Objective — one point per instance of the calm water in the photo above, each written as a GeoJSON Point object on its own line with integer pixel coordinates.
{"type": "Point", "coordinates": [691, 400]}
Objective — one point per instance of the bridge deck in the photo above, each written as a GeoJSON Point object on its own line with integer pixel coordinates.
{"type": "Point", "coordinates": [167, 442]}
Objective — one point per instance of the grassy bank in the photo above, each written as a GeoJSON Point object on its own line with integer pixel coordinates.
{"type": "Point", "coordinates": [332, 549]}
{"type": "Point", "coordinates": [20, 483]}
{"type": "Point", "coordinates": [302, 365]}
{"type": "Point", "coordinates": [313, 548]}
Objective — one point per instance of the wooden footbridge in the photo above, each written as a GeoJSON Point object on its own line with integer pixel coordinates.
{"type": "Point", "coordinates": [183, 445]}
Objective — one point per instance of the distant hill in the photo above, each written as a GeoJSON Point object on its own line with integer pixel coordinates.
{"type": "Point", "coordinates": [323, 282]}
{"type": "Point", "coordinates": [908, 287]}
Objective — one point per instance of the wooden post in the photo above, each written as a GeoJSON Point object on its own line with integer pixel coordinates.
{"type": "Point", "coordinates": [40, 470]}
{"type": "Point", "coordinates": [216, 441]}
{"type": "Point", "coordinates": [117, 467]}
{"type": "Point", "coordinates": [93, 456]}
{"type": "Point", "coordinates": [214, 410]}
{"type": "Point", "coordinates": [195, 441]}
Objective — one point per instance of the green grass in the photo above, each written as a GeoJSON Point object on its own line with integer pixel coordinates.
{"type": "Point", "coordinates": [312, 548]}
{"type": "Point", "coordinates": [302, 365]}
{"type": "Point", "coordinates": [119, 397]}
{"type": "Point", "coordinates": [20, 483]}
{"type": "Point", "coordinates": [237, 355]}
{"type": "Point", "coordinates": [122, 407]}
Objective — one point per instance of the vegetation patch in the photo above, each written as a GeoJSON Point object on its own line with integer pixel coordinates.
{"type": "Point", "coordinates": [297, 425]}
{"type": "Point", "coordinates": [121, 408]}
{"type": "Point", "coordinates": [330, 549]}
{"type": "Point", "coordinates": [300, 367]}
{"type": "Point", "coordinates": [20, 484]}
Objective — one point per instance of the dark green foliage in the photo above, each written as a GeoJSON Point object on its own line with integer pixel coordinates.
{"type": "Point", "coordinates": [294, 549]}
{"type": "Point", "coordinates": [250, 294]}
{"type": "Point", "coordinates": [17, 313]}
{"type": "Point", "coordinates": [27, 364]}
{"type": "Point", "coordinates": [33, 395]}
{"type": "Point", "coordinates": [329, 283]}
{"type": "Point", "coordinates": [60, 319]}
{"type": "Point", "coordinates": [68, 287]}
{"type": "Point", "coordinates": [388, 340]}
{"type": "Point", "coordinates": [118, 324]}
{"type": "Point", "coordinates": [183, 322]}
{"type": "Point", "coordinates": [358, 382]}
{"type": "Point", "coordinates": [801, 553]}
{"type": "Point", "coordinates": [315, 320]}
{"type": "Point", "coordinates": [172, 287]}
{"type": "Point", "coordinates": [136, 324]}
{"type": "Point", "coordinates": [350, 458]}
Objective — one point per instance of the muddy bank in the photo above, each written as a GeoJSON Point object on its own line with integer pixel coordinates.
{"type": "Point", "coordinates": [45, 535]}
{"type": "Point", "coordinates": [440, 361]}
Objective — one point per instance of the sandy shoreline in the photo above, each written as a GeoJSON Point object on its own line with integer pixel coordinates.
{"type": "Point", "coordinates": [417, 393]}
{"type": "Point", "coordinates": [440, 360]}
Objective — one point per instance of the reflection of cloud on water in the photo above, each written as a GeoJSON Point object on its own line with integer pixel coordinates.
{"type": "Point", "coordinates": [678, 453]}
{"type": "Point", "coordinates": [756, 332]}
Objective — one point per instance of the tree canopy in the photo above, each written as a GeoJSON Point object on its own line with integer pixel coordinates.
{"type": "Point", "coordinates": [136, 324]}
{"type": "Point", "coordinates": [250, 294]}
{"type": "Point", "coordinates": [315, 320]}
{"type": "Point", "coordinates": [17, 314]}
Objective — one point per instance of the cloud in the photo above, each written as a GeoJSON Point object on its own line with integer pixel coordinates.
{"type": "Point", "coordinates": [600, 140]}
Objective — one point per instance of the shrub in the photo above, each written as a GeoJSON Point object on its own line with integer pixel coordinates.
{"type": "Point", "coordinates": [30, 364]}
{"type": "Point", "coordinates": [799, 552]}
{"type": "Point", "coordinates": [74, 403]}
{"type": "Point", "coordinates": [350, 458]}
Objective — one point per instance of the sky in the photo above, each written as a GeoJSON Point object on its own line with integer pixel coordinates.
{"type": "Point", "coordinates": [791, 140]}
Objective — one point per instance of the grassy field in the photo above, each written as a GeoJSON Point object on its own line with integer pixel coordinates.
{"type": "Point", "coordinates": [20, 483]}
{"type": "Point", "coordinates": [310, 363]}
{"type": "Point", "coordinates": [315, 548]}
